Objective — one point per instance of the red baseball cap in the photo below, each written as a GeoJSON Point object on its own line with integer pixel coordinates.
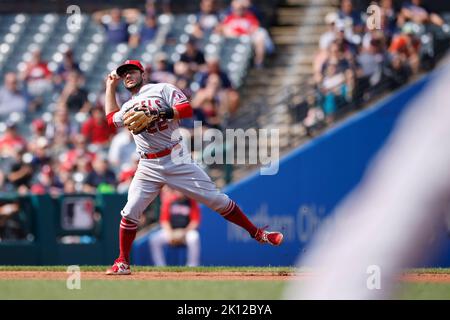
{"type": "Point", "coordinates": [129, 64]}
{"type": "Point", "coordinates": [38, 124]}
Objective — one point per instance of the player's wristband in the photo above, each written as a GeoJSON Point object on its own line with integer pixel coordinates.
{"type": "Point", "coordinates": [166, 113]}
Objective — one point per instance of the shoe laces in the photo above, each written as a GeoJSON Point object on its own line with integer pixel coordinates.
{"type": "Point", "coordinates": [263, 234]}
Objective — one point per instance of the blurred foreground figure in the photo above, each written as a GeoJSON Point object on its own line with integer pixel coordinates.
{"type": "Point", "coordinates": [386, 224]}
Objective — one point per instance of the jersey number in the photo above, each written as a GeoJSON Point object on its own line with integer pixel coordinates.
{"type": "Point", "coordinates": [157, 125]}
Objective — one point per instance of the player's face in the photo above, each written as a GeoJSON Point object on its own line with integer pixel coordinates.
{"type": "Point", "coordinates": [132, 79]}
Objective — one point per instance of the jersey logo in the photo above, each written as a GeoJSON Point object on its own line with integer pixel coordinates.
{"type": "Point", "coordinates": [177, 97]}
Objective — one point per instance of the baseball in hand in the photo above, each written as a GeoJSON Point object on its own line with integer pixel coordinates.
{"type": "Point", "coordinates": [114, 74]}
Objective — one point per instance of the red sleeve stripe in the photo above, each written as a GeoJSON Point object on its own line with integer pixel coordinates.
{"type": "Point", "coordinates": [110, 119]}
{"type": "Point", "coordinates": [184, 110]}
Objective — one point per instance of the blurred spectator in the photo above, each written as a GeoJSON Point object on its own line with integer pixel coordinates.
{"type": "Point", "coordinates": [11, 227]}
{"type": "Point", "coordinates": [193, 56]}
{"type": "Point", "coordinates": [2, 181]}
{"type": "Point", "coordinates": [336, 88]}
{"type": "Point", "coordinates": [80, 171]}
{"type": "Point", "coordinates": [179, 220]}
{"type": "Point", "coordinates": [213, 67]}
{"type": "Point", "coordinates": [40, 155]}
{"type": "Point", "coordinates": [207, 19]}
{"type": "Point", "coordinates": [351, 20]}
{"type": "Point", "coordinates": [150, 8]}
{"type": "Point", "coordinates": [148, 31]}
{"type": "Point", "coordinates": [69, 187]}
{"type": "Point", "coordinates": [11, 141]}
{"type": "Point", "coordinates": [11, 99]}
{"type": "Point", "coordinates": [406, 45]}
{"type": "Point", "coordinates": [116, 28]}
{"type": "Point", "coordinates": [184, 84]}
{"type": "Point", "coordinates": [215, 103]}
{"type": "Point", "coordinates": [122, 145]}
{"type": "Point", "coordinates": [59, 146]}
{"type": "Point", "coordinates": [101, 179]}
{"type": "Point", "coordinates": [20, 173]}
{"type": "Point", "coordinates": [335, 55]}
{"type": "Point", "coordinates": [96, 129]}
{"type": "Point", "coordinates": [306, 111]}
{"type": "Point", "coordinates": [38, 127]}
{"type": "Point", "coordinates": [371, 61]}
{"type": "Point", "coordinates": [374, 35]}
{"type": "Point", "coordinates": [325, 42]}
{"type": "Point", "coordinates": [38, 77]}
{"type": "Point", "coordinates": [248, 5]}
{"type": "Point", "coordinates": [60, 128]}
{"type": "Point", "coordinates": [74, 96]}
{"type": "Point", "coordinates": [255, 10]}
{"type": "Point", "coordinates": [182, 70]}
{"type": "Point", "coordinates": [328, 37]}
{"type": "Point", "coordinates": [47, 182]}
{"type": "Point", "coordinates": [242, 22]}
{"type": "Point", "coordinates": [156, 6]}
{"type": "Point", "coordinates": [388, 17]}
{"type": "Point", "coordinates": [162, 71]}
{"type": "Point", "coordinates": [350, 49]}
{"type": "Point", "coordinates": [397, 73]}
{"type": "Point", "coordinates": [79, 151]}
{"type": "Point", "coordinates": [418, 12]}
{"type": "Point", "coordinates": [67, 66]}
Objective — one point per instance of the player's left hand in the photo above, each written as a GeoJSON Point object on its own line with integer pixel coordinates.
{"type": "Point", "coordinates": [178, 237]}
{"type": "Point", "coordinates": [138, 118]}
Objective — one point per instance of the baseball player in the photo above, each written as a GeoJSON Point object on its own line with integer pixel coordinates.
{"type": "Point", "coordinates": [152, 115]}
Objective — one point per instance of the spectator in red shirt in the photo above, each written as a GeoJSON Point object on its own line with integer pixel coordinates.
{"type": "Point", "coordinates": [11, 141]}
{"type": "Point", "coordinates": [96, 129]}
{"type": "Point", "coordinates": [37, 77]}
{"type": "Point", "coordinates": [407, 46]}
{"type": "Point", "coordinates": [80, 151]}
{"type": "Point", "coordinates": [242, 22]}
{"type": "Point", "coordinates": [179, 219]}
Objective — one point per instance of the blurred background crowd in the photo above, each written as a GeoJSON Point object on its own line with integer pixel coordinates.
{"type": "Point", "coordinates": [54, 136]}
{"type": "Point", "coordinates": [361, 58]}
{"type": "Point", "coordinates": [53, 133]}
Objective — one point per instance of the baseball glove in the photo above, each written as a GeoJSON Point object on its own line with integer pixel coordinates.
{"type": "Point", "coordinates": [178, 237]}
{"type": "Point", "coordinates": [138, 118]}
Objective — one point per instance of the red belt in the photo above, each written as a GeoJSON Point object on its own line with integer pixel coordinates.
{"type": "Point", "coordinates": [159, 154]}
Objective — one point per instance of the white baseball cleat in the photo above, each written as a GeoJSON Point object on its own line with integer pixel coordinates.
{"type": "Point", "coordinates": [120, 267]}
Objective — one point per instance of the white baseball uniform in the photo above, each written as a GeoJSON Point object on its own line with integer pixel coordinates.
{"type": "Point", "coordinates": [152, 174]}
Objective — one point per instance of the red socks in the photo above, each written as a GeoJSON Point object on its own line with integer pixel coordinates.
{"type": "Point", "coordinates": [235, 215]}
{"type": "Point", "coordinates": [127, 233]}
